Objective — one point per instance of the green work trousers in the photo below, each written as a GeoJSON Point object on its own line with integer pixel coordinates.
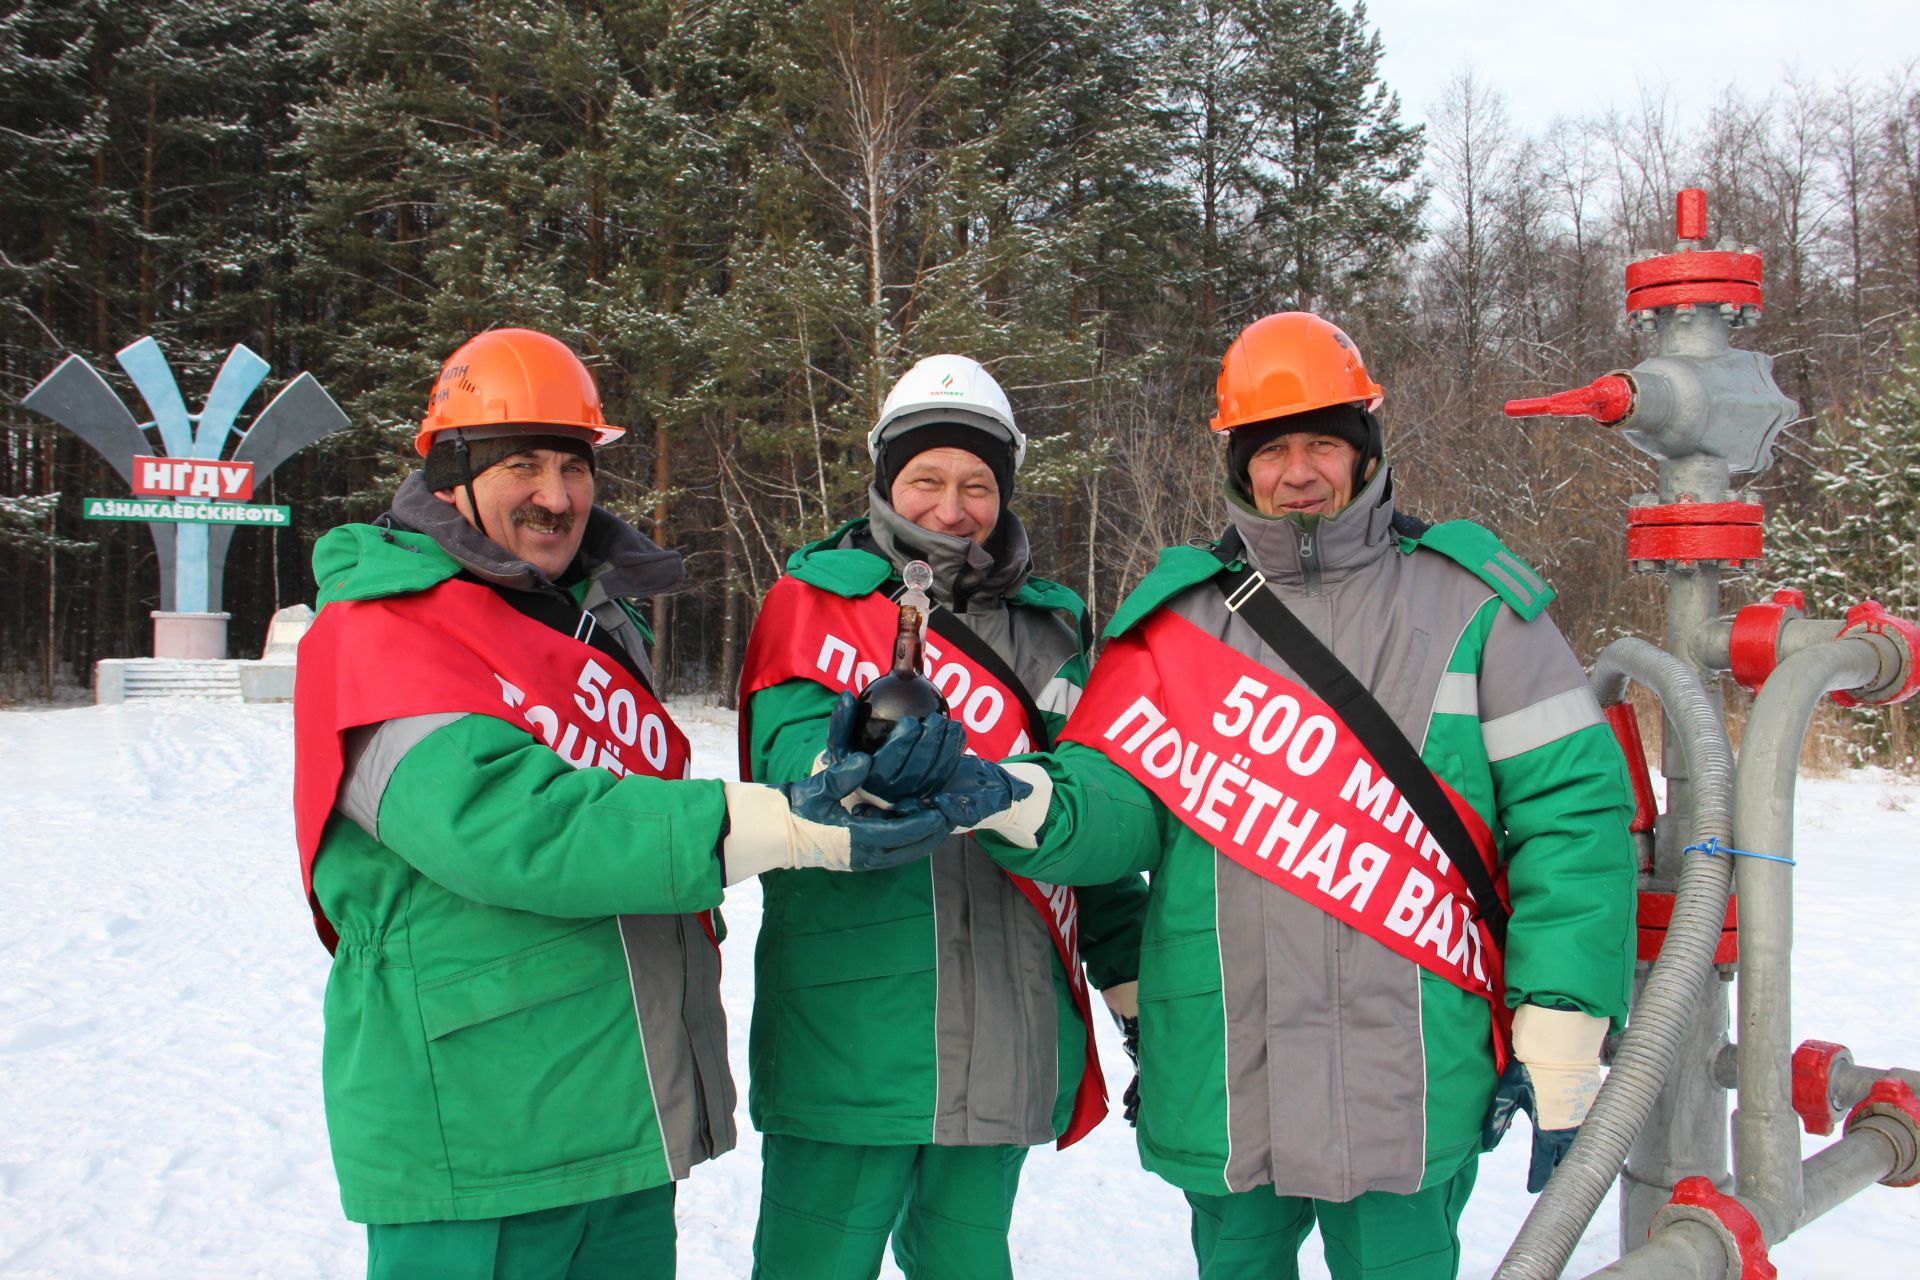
{"type": "Point", "coordinates": [628, 1237]}
{"type": "Point", "coordinates": [826, 1209]}
{"type": "Point", "coordinates": [1256, 1235]}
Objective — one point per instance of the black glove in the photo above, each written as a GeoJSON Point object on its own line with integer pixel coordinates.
{"type": "Point", "coordinates": [1130, 1098]}
{"type": "Point", "coordinates": [1550, 1146]}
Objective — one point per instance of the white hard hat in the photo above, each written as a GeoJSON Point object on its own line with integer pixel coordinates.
{"type": "Point", "coordinates": [947, 388]}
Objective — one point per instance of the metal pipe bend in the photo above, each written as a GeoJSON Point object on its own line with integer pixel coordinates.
{"type": "Point", "coordinates": [1646, 1051]}
{"type": "Point", "coordinates": [1766, 1129]}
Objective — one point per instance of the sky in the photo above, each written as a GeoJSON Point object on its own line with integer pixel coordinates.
{"type": "Point", "coordinates": [1549, 59]}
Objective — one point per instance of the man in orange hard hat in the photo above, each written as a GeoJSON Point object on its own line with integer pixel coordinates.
{"type": "Point", "coordinates": [525, 1047]}
{"type": "Point", "coordinates": [1385, 830]}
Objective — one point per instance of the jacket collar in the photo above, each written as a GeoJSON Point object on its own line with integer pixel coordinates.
{"type": "Point", "coordinates": [622, 560]}
{"type": "Point", "coordinates": [1356, 536]}
{"type": "Point", "coordinates": [964, 572]}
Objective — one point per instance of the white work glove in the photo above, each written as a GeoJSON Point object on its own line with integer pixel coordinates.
{"type": "Point", "coordinates": [1561, 1050]}
{"type": "Point", "coordinates": [1553, 1077]}
{"type": "Point", "coordinates": [804, 824]}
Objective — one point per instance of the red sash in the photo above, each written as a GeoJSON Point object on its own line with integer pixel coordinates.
{"type": "Point", "coordinates": [806, 633]}
{"type": "Point", "coordinates": [458, 647]}
{"type": "Point", "coordinates": [1265, 772]}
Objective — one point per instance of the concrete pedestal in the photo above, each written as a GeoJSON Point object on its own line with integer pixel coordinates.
{"type": "Point", "coordinates": [189, 635]}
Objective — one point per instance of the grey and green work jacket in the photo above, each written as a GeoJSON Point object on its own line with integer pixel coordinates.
{"type": "Point", "coordinates": [924, 1004]}
{"type": "Point", "coordinates": [1283, 1048]}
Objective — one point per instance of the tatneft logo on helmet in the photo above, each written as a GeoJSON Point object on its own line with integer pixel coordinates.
{"type": "Point", "coordinates": [945, 383]}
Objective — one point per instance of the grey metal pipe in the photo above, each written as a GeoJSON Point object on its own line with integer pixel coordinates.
{"type": "Point", "coordinates": [1766, 1130]}
{"type": "Point", "coordinates": [1683, 1251]}
{"type": "Point", "coordinates": [1851, 1081]}
{"type": "Point", "coordinates": [1689, 1250]}
{"type": "Point", "coordinates": [1836, 1173]}
{"type": "Point", "coordinates": [1664, 1010]}
{"type": "Point", "coordinates": [1848, 1084]}
{"type": "Point", "coordinates": [1712, 645]}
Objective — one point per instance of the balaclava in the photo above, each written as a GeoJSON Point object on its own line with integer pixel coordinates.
{"type": "Point", "coordinates": [443, 459]}
{"type": "Point", "coordinates": [1348, 422]}
{"type": "Point", "coordinates": [897, 451]}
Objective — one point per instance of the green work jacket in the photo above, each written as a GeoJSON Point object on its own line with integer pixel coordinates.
{"type": "Point", "coordinates": [522, 1012]}
{"type": "Point", "coordinates": [922, 1004]}
{"type": "Point", "coordinates": [1281, 1047]}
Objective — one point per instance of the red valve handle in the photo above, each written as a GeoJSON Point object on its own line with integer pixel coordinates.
{"type": "Point", "coordinates": [1690, 214]}
{"type": "Point", "coordinates": [1607, 400]}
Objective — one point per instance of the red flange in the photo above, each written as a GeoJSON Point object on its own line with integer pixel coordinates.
{"type": "Point", "coordinates": [1869, 616]}
{"type": "Point", "coordinates": [1697, 1199]}
{"type": "Point", "coordinates": [1656, 916]}
{"type": "Point", "coordinates": [1702, 267]}
{"type": "Point", "coordinates": [1695, 276]}
{"type": "Point", "coordinates": [1695, 294]}
{"type": "Point", "coordinates": [1754, 650]}
{"type": "Point", "coordinates": [1813, 1064]}
{"type": "Point", "coordinates": [1698, 513]}
{"type": "Point", "coordinates": [1689, 532]}
{"type": "Point", "coordinates": [1892, 1098]}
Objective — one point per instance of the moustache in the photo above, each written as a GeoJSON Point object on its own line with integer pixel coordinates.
{"type": "Point", "coordinates": [529, 516]}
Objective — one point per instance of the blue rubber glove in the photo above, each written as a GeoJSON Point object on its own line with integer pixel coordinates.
{"type": "Point", "coordinates": [914, 760]}
{"type": "Point", "coordinates": [917, 758]}
{"type": "Point", "coordinates": [976, 790]}
{"type": "Point", "coordinates": [840, 727]}
{"type": "Point", "coordinates": [1554, 1076]}
{"type": "Point", "coordinates": [877, 838]}
{"type": "Point", "coordinates": [1550, 1146]}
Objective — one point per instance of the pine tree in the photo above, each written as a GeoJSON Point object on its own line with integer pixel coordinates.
{"type": "Point", "coordinates": [1858, 543]}
{"type": "Point", "coordinates": [25, 523]}
{"type": "Point", "coordinates": [1207, 67]}
{"type": "Point", "coordinates": [154, 198]}
{"type": "Point", "coordinates": [1341, 209]}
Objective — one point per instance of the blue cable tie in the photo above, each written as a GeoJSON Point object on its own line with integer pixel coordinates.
{"type": "Point", "coordinates": [1713, 848]}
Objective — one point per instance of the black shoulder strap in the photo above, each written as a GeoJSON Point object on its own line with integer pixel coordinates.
{"type": "Point", "coordinates": [945, 624]}
{"type": "Point", "coordinates": [1327, 676]}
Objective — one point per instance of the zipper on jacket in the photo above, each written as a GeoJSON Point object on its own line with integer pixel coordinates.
{"type": "Point", "coordinates": [1309, 562]}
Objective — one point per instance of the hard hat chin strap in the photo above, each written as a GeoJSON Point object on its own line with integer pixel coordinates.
{"type": "Point", "coordinates": [466, 479]}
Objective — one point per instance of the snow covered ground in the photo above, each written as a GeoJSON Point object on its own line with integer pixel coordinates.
{"type": "Point", "coordinates": [160, 1027]}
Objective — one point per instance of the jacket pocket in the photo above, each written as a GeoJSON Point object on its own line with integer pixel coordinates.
{"type": "Point", "coordinates": [845, 1031]}
{"type": "Point", "coordinates": [536, 1059]}
{"type": "Point", "coordinates": [852, 955]}
{"type": "Point", "coordinates": [1183, 1049]}
{"type": "Point", "coordinates": [1184, 966]}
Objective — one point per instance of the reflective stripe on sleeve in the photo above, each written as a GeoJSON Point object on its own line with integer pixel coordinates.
{"type": "Point", "coordinates": [1458, 695]}
{"type": "Point", "coordinates": [1545, 721]}
{"type": "Point", "coordinates": [1059, 695]}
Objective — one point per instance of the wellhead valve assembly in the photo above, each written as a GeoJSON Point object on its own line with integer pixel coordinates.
{"type": "Point", "coordinates": [1704, 1193]}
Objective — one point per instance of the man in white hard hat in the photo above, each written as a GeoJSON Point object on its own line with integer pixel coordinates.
{"type": "Point", "coordinates": [914, 1035]}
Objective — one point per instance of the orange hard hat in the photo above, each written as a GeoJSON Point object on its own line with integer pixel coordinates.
{"type": "Point", "coordinates": [515, 378]}
{"type": "Point", "coordinates": [1290, 362]}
